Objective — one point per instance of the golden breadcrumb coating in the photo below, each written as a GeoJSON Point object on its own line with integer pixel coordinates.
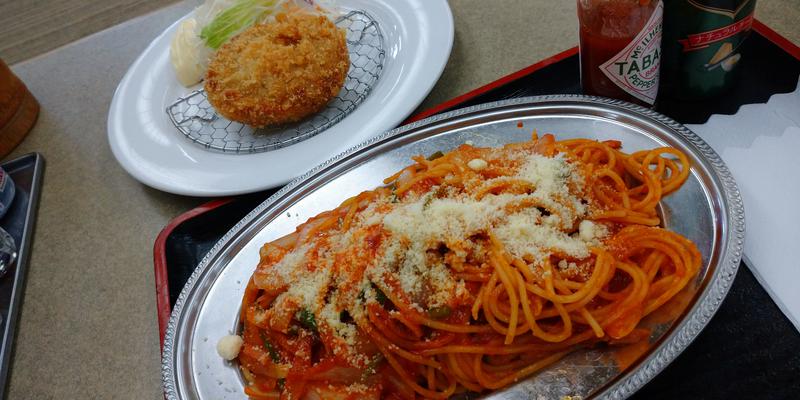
{"type": "Point", "coordinates": [279, 72]}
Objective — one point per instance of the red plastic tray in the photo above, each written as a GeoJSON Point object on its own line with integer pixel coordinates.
{"type": "Point", "coordinates": [749, 350]}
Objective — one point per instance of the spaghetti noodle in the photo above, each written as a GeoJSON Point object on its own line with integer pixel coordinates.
{"type": "Point", "coordinates": [467, 271]}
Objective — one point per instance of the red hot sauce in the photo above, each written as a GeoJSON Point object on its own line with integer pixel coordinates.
{"type": "Point", "coordinates": [620, 48]}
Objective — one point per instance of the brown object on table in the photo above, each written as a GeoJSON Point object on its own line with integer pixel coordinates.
{"type": "Point", "coordinates": [18, 110]}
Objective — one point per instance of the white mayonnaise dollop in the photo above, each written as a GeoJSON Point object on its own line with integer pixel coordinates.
{"type": "Point", "coordinates": [189, 54]}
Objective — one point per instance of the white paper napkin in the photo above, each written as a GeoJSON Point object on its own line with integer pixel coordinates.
{"type": "Point", "coordinates": [761, 146]}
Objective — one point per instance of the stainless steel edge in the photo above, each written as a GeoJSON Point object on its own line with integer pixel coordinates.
{"type": "Point", "coordinates": [25, 246]}
{"type": "Point", "coordinates": [720, 282]}
{"type": "Point", "coordinates": [679, 337]}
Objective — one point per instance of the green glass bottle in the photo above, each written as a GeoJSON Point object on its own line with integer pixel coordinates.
{"type": "Point", "coordinates": [700, 46]}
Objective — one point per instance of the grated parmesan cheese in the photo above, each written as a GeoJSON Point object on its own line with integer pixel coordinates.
{"type": "Point", "coordinates": [440, 219]}
{"type": "Point", "coordinates": [443, 285]}
{"type": "Point", "coordinates": [548, 174]}
{"type": "Point", "coordinates": [591, 232]}
{"type": "Point", "coordinates": [568, 267]}
{"type": "Point", "coordinates": [330, 315]}
{"type": "Point", "coordinates": [523, 237]}
{"type": "Point", "coordinates": [309, 285]}
{"type": "Point", "coordinates": [281, 273]}
{"type": "Point", "coordinates": [477, 164]}
{"type": "Point", "coordinates": [413, 230]}
{"type": "Point", "coordinates": [228, 346]}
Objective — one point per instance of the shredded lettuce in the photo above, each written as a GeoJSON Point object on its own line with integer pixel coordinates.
{"type": "Point", "coordinates": [235, 19]}
{"type": "Point", "coordinates": [216, 21]}
{"type": "Point", "coordinates": [206, 12]}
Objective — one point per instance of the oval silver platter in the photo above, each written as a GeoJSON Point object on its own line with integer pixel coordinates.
{"type": "Point", "coordinates": [707, 209]}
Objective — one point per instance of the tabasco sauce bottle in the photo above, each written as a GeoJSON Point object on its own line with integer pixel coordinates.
{"type": "Point", "coordinates": [620, 48]}
{"type": "Point", "coordinates": [702, 40]}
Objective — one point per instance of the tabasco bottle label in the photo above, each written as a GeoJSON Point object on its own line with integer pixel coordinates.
{"type": "Point", "coordinates": [635, 69]}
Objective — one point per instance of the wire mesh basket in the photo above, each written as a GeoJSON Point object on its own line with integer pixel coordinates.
{"type": "Point", "coordinates": [196, 118]}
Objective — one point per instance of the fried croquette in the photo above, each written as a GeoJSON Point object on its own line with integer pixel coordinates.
{"type": "Point", "coordinates": [278, 72]}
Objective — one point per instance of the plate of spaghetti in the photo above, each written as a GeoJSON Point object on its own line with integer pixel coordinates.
{"type": "Point", "coordinates": [533, 248]}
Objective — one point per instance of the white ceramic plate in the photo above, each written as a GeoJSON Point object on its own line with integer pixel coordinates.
{"type": "Point", "coordinates": [418, 39]}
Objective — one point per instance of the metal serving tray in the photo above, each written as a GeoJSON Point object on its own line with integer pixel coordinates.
{"type": "Point", "coordinates": [19, 222]}
{"type": "Point", "coordinates": [707, 209]}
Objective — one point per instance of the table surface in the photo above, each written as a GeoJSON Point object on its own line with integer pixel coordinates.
{"type": "Point", "coordinates": [88, 323]}
{"type": "Point", "coordinates": [22, 22]}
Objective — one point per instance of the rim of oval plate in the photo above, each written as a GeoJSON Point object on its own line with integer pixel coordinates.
{"type": "Point", "coordinates": [418, 40]}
